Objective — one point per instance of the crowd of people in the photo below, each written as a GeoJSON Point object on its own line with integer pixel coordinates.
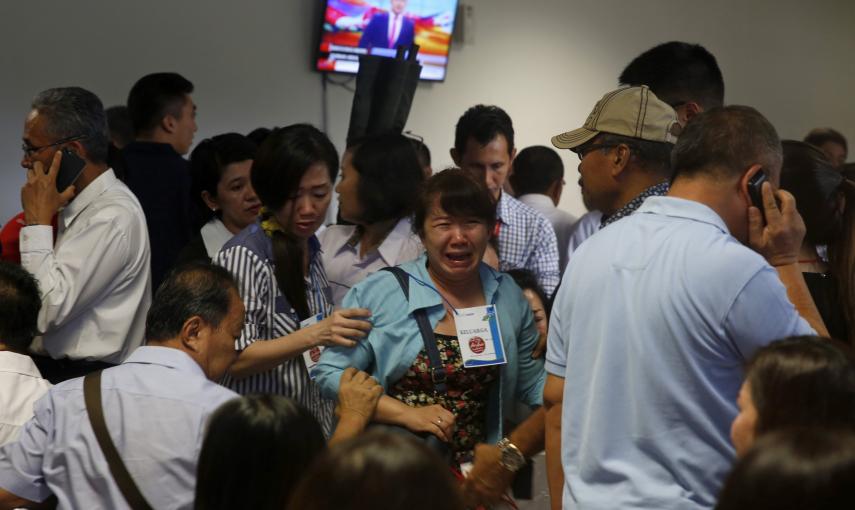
{"type": "Point", "coordinates": [193, 333]}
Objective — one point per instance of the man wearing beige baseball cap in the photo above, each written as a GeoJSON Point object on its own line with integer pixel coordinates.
{"type": "Point", "coordinates": [658, 313]}
{"type": "Point", "coordinates": [625, 151]}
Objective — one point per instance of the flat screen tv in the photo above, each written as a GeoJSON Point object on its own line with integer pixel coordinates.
{"type": "Point", "coordinates": [356, 27]}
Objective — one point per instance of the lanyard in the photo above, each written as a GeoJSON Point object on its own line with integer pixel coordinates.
{"type": "Point", "coordinates": [425, 284]}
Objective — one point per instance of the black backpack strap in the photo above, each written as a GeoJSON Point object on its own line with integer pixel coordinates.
{"type": "Point", "coordinates": [92, 397]}
{"type": "Point", "coordinates": [437, 370]}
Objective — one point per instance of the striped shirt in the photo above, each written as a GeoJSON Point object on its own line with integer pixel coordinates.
{"type": "Point", "coordinates": [249, 258]}
{"type": "Point", "coordinates": [527, 241]}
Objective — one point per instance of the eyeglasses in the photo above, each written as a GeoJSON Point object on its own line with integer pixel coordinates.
{"type": "Point", "coordinates": [29, 150]}
{"type": "Point", "coordinates": [584, 150]}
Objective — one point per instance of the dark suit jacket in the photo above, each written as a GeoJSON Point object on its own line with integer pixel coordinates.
{"type": "Point", "coordinates": [376, 34]}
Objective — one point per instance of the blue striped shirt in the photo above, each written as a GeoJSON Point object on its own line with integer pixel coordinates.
{"type": "Point", "coordinates": [248, 256]}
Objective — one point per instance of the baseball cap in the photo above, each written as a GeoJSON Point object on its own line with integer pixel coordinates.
{"type": "Point", "coordinates": [629, 111]}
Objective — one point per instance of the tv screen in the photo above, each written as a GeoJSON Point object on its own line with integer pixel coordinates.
{"type": "Point", "coordinates": [377, 27]}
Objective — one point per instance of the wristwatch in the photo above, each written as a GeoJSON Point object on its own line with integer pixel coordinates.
{"type": "Point", "coordinates": [512, 458]}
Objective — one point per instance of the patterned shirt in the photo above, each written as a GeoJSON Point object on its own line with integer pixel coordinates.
{"type": "Point", "coordinates": [657, 190]}
{"type": "Point", "coordinates": [527, 241]}
{"type": "Point", "coordinates": [249, 258]}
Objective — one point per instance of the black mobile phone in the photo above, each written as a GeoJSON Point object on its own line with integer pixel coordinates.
{"type": "Point", "coordinates": [755, 187]}
{"type": "Point", "coordinates": [70, 169]}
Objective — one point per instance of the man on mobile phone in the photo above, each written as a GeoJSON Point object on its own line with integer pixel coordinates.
{"type": "Point", "coordinates": [657, 314]}
{"type": "Point", "coordinates": [95, 281]}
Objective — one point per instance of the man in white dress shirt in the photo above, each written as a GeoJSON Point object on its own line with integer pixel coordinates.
{"type": "Point", "coordinates": [21, 384]}
{"type": "Point", "coordinates": [95, 280]}
{"type": "Point", "coordinates": [538, 180]}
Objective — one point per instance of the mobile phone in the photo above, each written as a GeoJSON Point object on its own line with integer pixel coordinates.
{"type": "Point", "coordinates": [755, 187]}
{"type": "Point", "coordinates": [70, 169]}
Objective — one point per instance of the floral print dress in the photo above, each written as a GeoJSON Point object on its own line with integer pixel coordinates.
{"type": "Point", "coordinates": [466, 397]}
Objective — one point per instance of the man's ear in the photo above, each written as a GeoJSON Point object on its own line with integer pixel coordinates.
{"type": "Point", "coordinates": [743, 182]}
{"type": "Point", "coordinates": [455, 156]}
{"type": "Point", "coordinates": [193, 333]}
{"type": "Point", "coordinates": [688, 111]}
{"type": "Point", "coordinates": [513, 155]}
{"type": "Point", "coordinates": [168, 123]}
{"type": "Point", "coordinates": [619, 159]}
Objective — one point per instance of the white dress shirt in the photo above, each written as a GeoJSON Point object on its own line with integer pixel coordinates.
{"type": "Point", "coordinates": [215, 235]}
{"type": "Point", "coordinates": [345, 267]}
{"type": "Point", "coordinates": [21, 385]}
{"type": "Point", "coordinates": [96, 280]}
{"type": "Point", "coordinates": [562, 222]}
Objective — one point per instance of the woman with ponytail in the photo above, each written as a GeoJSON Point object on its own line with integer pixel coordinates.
{"type": "Point", "coordinates": [825, 199]}
{"type": "Point", "coordinates": [276, 262]}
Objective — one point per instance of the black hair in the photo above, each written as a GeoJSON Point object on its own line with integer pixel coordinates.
{"type": "Point", "coordinates": [536, 168]}
{"type": "Point", "coordinates": [725, 142]}
{"type": "Point", "coordinates": [802, 381]}
{"type": "Point", "coordinates": [209, 160]}
{"type": "Point", "coordinates": [154, 96]}
{"type": "Point", "coordinates": [794, 469]}
{"type": "Point", "coordinates": [483, 123]}
{"type": "Point", "coordinates": [195, 289]}
{"type": "Point", "coordinates": [280, 163]}
{"type": "Point", "coordinates": [526, 280]}
{"type": "Point", "coordinates": [816, 186]}
{"type": "Point", "coordinates": [256, 449]}
{"type": "Point", "coordinates": [678, 72]}
{"type": "Point", "coordinates": [390, 176]}
{"type": "Point", "coordinates": [459, 195]}
{"type": "Point", "coordinates": [819, 190]}
{"type": "Point", "coordinates": [119, 123]}
{"type": "Point", "coordinates": [820, 136]}
{"type": "Point", "coordinates": [378, 471]}
{"type": "Point", "coordinates": [20, 302]}
{"type": "Point", "coordinates": [422, 151]}
{"type": "Point", "coordinates": [76, 112]}
{"type": "Point", "coordinates": [259, 134]}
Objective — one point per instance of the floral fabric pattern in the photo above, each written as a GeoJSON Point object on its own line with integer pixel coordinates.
{"type": "Point", "coordinates": [466, 397]}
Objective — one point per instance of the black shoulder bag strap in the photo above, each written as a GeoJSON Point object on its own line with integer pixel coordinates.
{"type": "Point", "coordinates": [92, 397]}
{"type": "Point", "coordinates": [437, 370]}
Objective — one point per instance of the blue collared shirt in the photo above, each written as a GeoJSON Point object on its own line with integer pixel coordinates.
{"type": "Point", "coordinates": [527, 241]}
{"type": "Point", "coordinates": [395, 341]}
{"type": "Point", "coordinates": [650, 330]}
{"type": "Point", "coordinates": [156, 405]}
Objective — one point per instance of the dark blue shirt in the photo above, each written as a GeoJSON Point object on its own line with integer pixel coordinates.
{"type": "Point", "coordinates": [160, 178]}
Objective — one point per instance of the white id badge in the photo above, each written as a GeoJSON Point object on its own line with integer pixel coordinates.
{"type": "Point", "coordinates": [479, 336]}
{"type": "Point", "coordinates": [313, 355]}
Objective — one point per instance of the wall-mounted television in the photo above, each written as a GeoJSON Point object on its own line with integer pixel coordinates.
{"type": "Point", "coordinates": [377, 27]}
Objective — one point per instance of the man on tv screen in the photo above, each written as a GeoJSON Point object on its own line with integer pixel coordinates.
{"type": "Point", "coordinates": [389, 29]}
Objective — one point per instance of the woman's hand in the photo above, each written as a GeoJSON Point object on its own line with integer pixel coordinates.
{"type": "Point", "coordinates": [434, 419]}
{"type": "Point", "coordinates": [342, 327]}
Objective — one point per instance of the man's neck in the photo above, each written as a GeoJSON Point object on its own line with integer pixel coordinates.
{"type": "Point", "coordinates": [157, 136]}
{"type": "Point", "coordinates": [718, 196]}
{"type": "Point", "coordinates": [634, 188]}
{"type": "Point", "coordinates": [90, 172]}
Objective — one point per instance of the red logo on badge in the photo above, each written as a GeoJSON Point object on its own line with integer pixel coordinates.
{"type": "Point", "coordinates": [477, 345]}
{"type": "Point", "coordinates": [315, 354]}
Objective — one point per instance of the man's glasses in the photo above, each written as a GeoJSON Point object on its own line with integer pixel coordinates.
{"type": "Point", "coordinates": [584, 150]}
{"type": "Point", "coordinates": [29, 150]}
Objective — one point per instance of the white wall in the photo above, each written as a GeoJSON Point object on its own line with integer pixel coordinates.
{"type": "Point", "coordinates": [545, 61]}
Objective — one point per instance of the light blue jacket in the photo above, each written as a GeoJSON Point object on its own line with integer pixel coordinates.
{"type": "Point", "coordinates": [394, 342]}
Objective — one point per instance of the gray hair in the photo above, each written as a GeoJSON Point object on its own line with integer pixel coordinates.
{"type": "Point", "coordinates": [725, 142]}
{"type": "Point", "coordinates": [73, 111]}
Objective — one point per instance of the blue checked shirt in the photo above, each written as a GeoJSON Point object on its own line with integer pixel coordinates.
{"type": "Point", "coordinates": [527, 241]}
